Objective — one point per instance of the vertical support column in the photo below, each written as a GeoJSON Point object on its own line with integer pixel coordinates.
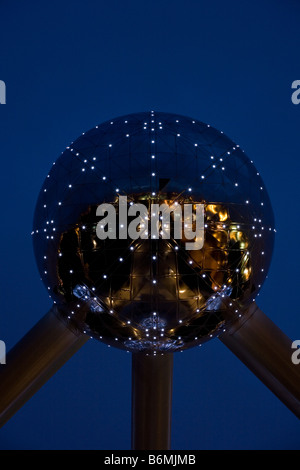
{"type": "Point", "coordinates": [152, 378]}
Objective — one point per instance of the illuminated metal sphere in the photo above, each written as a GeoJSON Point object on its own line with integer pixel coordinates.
{"type": "Point", "coordinates": [152, 295]}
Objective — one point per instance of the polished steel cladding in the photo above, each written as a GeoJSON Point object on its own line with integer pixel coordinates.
{"type": "Point", "coordinates": [153, 295]}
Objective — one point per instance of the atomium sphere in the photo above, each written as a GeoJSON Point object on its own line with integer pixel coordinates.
{"type": "Point", "coordinates": [149, 293]}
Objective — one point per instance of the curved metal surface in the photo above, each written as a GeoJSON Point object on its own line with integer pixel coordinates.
{"type": "Point", "coordinates": [152, 294]}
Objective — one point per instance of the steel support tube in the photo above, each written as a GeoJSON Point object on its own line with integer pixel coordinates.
{"type": "Point", "coordinates": [152, 378]}
{"type": "Point", "coordinates": [267, 352]}
{"type": "Point", "coordinates": [33, 360]}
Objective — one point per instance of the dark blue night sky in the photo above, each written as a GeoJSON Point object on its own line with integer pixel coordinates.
{"type": "Point", "coordinates": [71, 65]}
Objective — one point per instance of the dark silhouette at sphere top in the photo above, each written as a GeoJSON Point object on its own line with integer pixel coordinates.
{"type": "Point", "coordinates": [153, 295]}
